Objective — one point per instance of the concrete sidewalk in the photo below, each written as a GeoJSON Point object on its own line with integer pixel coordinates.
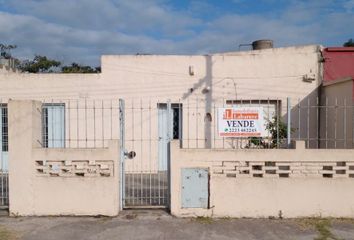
{"type": "Point", "coordinates": [157, 224]}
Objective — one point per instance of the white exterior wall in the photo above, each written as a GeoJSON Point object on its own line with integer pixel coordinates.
{"type": "Point", "coordinates": [145, 80]}
{"type": "Point", "coordinates": [257, 74]}
{"type": "Point", "coordinates": [248, 182]}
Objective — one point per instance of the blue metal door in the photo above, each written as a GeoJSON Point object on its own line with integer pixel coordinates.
{"type": "Point", "coordinates": [54, 126]}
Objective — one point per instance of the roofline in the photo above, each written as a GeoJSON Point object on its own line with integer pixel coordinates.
{"type": "Point", "coordinates": [250, 51]}
{"type": "Point", "coordinates": [339, 49]}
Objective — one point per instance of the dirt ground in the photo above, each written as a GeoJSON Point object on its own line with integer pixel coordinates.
{"type": "Point", "coordinates": [143, 224]}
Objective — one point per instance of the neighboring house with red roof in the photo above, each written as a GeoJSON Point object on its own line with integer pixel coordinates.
{"type": "Point", "coordinates": [337, 91]}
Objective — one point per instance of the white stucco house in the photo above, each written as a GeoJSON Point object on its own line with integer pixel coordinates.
{"type": "Point", "coordinates": [165, 98]}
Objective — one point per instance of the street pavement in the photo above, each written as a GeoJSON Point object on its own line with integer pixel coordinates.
{"type": "Point", "coordinates": [157, 224]}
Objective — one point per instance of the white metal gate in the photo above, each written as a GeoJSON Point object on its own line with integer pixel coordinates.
{"type": "Point", "coordinates": [146, 130]}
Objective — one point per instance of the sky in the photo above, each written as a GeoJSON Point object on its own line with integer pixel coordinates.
{"type": "Point", "coordinates": [83, 30]}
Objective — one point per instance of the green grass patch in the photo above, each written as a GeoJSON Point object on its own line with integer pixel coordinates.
{"type": "Point", "coordinates": [204, 220]}
{"type": "Point", "coordinates": [321, 225]}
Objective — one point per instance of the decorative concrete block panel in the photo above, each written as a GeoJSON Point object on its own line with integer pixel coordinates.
{"type": "Point", "coordinates": [75, 168]}
{"type": "Point", "coordinates": [284, 169]}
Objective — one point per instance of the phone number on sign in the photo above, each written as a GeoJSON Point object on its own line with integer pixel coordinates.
{"type": "Point", "coordinates": [245, 130]}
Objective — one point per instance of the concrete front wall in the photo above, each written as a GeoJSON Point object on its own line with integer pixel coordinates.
{"type": "Point", "coordinates": [268, 183]}
{"type": "Point", "coordinates": [57, 181]}
{"type": "Point", "coordinates": [336, 128]}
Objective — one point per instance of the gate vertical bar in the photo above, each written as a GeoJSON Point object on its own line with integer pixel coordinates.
{"type": "Point", "coordinates": [141, 151]}
{"type": "Point", "coordinates": [289, 122]}
{"type": "Point", "coordinates": [169, 138]}
{"type": "Point", "coordinates": [2, 171]}
{"type": "Point", "coordinates": [308, 123]}
{"type": "Point", "coordinates": [278, 115]}
{"type": "Point", "coordinates": [345, 123]}
{"type": "Point", "coordinates": [335, 122]}
{"type": "Point", "coordinates": [122, 151]}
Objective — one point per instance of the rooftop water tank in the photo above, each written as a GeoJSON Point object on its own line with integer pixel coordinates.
{"type": "Point", "coordinates": [262, 44]}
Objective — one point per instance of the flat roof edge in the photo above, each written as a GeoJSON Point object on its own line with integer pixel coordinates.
{"type": "Point", "coordinates": [339, 49]}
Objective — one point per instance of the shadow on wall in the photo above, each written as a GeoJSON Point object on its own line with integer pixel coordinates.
{"type": "Point", "coordinates": [207, 89]}
{"type": "Point", "coordinates": [304, 118]}
{"type": "Point", "coordinates": [320, 121]}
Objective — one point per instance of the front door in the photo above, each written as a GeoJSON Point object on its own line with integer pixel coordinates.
{"type": "Point", "coordinates": [169, 128]}
{"type": "Point", "coordinates": [164, 135]}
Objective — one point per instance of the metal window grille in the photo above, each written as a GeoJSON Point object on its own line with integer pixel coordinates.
{"type": "Point", "coordinates": [44, 127]}
{"type": "Point", "coordinates": [91, 123]}
{"type": "Point", "coordinates": [177, 121]}
{"type": "Point", "coordinates": [4, 135]}
{"type": "Point", "coordinates": [325, 123]}
{"type": "Point", "coordinates": [83, 123]}
{"type": "Point", "coordinates": [4, 175]}
{"type": "Point", "coordinates": [4, 189]}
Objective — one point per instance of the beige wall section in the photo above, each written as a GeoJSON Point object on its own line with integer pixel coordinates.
{"type": "Point", "coordinates": [270, 73]}
{"type": "Point", "coordinates": [146, 80]}
{"type": "Point", "coordinates": [337, 119]}
{"type": "Point", "coordinates": [48, 86]}
{"type": "Point", "coordinates": [314, 182]}
{"type": "Point", "coordinates": [273, 73]}
{"type": "Point", "coordinates": [5, 69]}
{"type": "Point", "coordinates": [57, 181]}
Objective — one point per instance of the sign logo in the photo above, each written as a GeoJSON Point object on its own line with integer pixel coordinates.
{"type": "Point", "coordinates": [240, 122]}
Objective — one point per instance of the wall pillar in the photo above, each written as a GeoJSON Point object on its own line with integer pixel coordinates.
{"type": "Point", "coordinates": [24, 126]}
{"type": "Point", "coordinates": [57, 181]}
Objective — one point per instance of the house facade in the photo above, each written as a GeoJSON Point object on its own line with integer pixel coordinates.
{"type": "Point", "coordinates": [148, 101]}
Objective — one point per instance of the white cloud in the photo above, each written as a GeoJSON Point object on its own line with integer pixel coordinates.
{"type": "Point", "coordinates": [82, 30]}
{"type": "Point", "coordinates": [349, 6]}
{"type": "Point", "coordinates": [120, 15]}
{"type": "Point", "coordinates": [34, 36]}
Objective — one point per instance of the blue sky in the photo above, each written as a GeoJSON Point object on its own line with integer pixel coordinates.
{"type": "Point", "coordinates": [83, 30]}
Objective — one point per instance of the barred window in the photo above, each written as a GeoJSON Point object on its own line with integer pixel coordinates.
{"type": "Point", "coordinates": [4, 128]}
{"type": "Point", "coordinates": [176, 121]}
{"type": "Point", "coordinates": [53, 125]}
